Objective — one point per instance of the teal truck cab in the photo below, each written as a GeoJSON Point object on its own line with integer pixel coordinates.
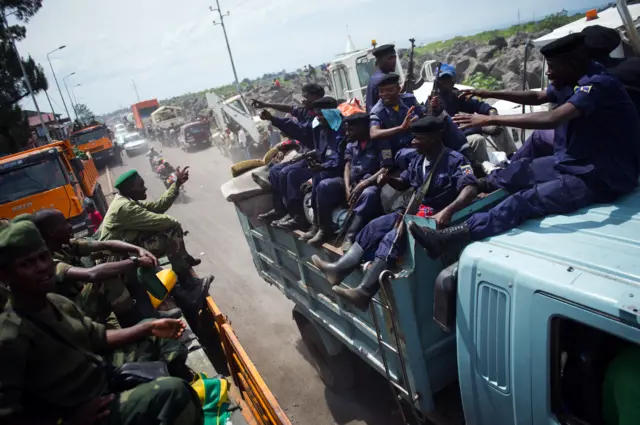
{"type": "Point", "coordinates": [519, 327]}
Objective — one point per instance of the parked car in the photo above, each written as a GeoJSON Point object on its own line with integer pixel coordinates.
{"type": "Point", "coordinates": [194, 134]}
{"type": "Point", "coordinates": [134, 144]}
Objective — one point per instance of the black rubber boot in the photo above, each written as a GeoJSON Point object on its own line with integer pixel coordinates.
{"type": "Point", "coordinates": [336, 272]}
{"type": "Point", "coordinates": [320, 237]}
{"type": "Point", "coordinates": [190, 295]}
{"type": "Point", "coordinates": [271, 216]}
{"type": "Point", "coordinates": [361, 296]}
{"type": "Point", "coordinates": [192, 261]}
{"type": "Point", "coordinates": [354, 227]}
{"type": "Point", "coordinates": [436, 242]}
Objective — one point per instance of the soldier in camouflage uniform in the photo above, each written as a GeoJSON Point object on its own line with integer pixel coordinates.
{"type": "Point", "coordinates": [144, 223]}
{"type": "Point", "coordinates": [100, 290]}
{"type": "Point", "coordinates": [51, 367]}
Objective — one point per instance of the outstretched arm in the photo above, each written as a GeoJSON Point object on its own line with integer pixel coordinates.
{"type": "Point", "coordinates": [530, 97]}
{"type": "Point", "coordinates": [536, 120]}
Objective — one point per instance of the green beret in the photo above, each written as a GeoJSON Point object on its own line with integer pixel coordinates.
{"type": "Point", "coordinates": [124, 177]}
{"type": "Point", "coordinates": [18, 239]}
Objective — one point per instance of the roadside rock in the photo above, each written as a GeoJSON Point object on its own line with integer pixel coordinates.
{"type": "Point", "coordinates": [498, 42]}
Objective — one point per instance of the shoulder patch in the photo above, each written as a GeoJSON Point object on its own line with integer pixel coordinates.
{"type": "Point", "coordinates": [387, 154]}
{"type": "Point", "coordinates": [584, 89]}
{"type": "Point", "coordinates": [466, 169]}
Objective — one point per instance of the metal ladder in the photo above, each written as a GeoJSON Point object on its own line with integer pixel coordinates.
{"type": "Point", "coordinates": [397, 390]}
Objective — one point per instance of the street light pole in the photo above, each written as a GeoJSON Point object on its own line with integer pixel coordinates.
{"type": "Point", "coordinates": [64, 80]}
{"type": "Point", "coordinates": [56, 79]}
{"type": "Point", "coordinates": [26, 79]}
{"type": "Point", "coordinates": [226, 39]}
{"type": "Point", "coordinates": [73, 93]}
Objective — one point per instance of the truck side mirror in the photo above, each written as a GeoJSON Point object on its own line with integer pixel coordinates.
{"type": "Point", "coordinates": [77, 165]}
{"type": "Point", "coordinates": [444, 298]}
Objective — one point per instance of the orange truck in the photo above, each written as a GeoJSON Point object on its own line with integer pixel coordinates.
{"type": "Point", "coordinates": [50, 176]}
{"type": "Point", "coordinates": [96, 139]}
{"type": "Point", "coordinates": [142, 113]}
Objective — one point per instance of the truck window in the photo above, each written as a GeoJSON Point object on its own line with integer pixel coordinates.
{"type": "Point", "coordinates": [146, 112]}
{"type": "Point", "coordinates": [89, 136]}
{"type": "Point", "coordinates": [34, 178]}
{"type": "Point", "coordinates": [585, 364]}
{"type": "Point", "coordinates": [365, 67]}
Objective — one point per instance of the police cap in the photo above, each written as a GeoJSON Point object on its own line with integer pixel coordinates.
{"type": "Point", "coordinates": [384, 50]}
{"type": "Point", "coordinates": [563, 46]}
{"type": "Point", "coordinates": [18, 239]}
{"type": "Point", "coordinates": [326, 102]}
{"type": "Point", "coordinates": [389, 79]}
{"type": "Point", "coordinates": [359, 118]}
{"type": "Point", "coordinates": [124, 177]}
{"type": "Point", "coordinates": [427, 125]}
{"type": "Point", "coordinates": [601, 40]}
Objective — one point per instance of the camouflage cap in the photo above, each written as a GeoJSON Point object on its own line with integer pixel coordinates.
{"type": "Point", "coordinates": [124, 177]}
{"type": "Point", "coordinates": [18, 239]}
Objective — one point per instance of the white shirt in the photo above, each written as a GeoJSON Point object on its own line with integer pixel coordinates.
{"type": "Point", "coordinates": [242, 138]}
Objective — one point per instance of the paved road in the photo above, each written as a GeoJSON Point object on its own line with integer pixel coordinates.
{"type": "Point", "coordinates": [260, 314]}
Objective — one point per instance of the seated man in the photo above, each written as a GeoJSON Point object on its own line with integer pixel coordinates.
{"type": "Point", "coordinates": [98, 291]}
{"type": "Point", "coordinates": [143, 223]}
{"type": "Point", "coordinates": [55, 363]}
{"type": "Point", "coordinates": [392, 115]}
{"type": "Point", "coordinates": [435, 171]}
{"type": "Point", "coordinates": [364, 162]}
{"type": "Point", "coordinates": [595, 159]}
{"type": "Point", "coordinates": [453, 102]}
{"type": "Point", "coordinates": [325, 134]}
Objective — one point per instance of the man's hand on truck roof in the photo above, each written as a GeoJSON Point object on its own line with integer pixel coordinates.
{"type": "Point", "coordinates": [182, 175]}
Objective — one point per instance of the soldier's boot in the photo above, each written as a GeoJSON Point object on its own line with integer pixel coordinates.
{"type": "Point", "coordinates": [192, 261]}
{"type": "Point", "coordinates": [354, 227]}
{"type": "Point", "coordinates": [191, 292]}
{"type": "Point", "coordinates": [436, 242]}
{"type": "Point", "coordinates": [361, 296]}
{"type": "Point", "coordinates": [144, 309]}
{"type": "Point", "coordinates": [336, 272]}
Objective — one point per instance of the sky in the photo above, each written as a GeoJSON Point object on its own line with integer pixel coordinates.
{"type": "Point", "coordinates": [171, 47]}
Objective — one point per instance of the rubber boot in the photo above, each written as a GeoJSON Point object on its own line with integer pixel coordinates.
{"type": "Point", "coordinates": [190, 295]}
{"type": "Point", "coordinates": [145, 309]}
{"type": "Point", "coordinates": [320, 236]}
{"type": "Point", "coordinates": [336, 272]}
{"type": "Point", "coordinates": [436, 242]}
{"type": "Point", "coordinates": [361, 296]}
{"type": "Point", "coordinates": [354, 227]}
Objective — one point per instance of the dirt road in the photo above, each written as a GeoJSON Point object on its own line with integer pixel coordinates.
{"type": "Point", "coordinates": [260, 314]}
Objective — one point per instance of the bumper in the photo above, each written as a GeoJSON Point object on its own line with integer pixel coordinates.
{"type": "Point", "coordinates": [102, 156]}
{"type": "Point", "coordinates": [80, 225]}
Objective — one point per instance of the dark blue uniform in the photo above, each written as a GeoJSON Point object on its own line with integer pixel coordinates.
{"type": "Point", "coordinates": [596, 159]}
{"type": "Point", "coordinates": [302, 114]}
{"type": "Point", "coordinates": [378, 235]}
{"type": "Point", "coordinates": [365, 162]}
{"type": "Point", "coordinates": [387, 117]}
{"type": "Point", "coordinates": [539, 144]}
{"type": "Point", "coordinates": [326, 142]}
{"type": "Point", "coordinates": [454, 105]}
{"type": "Point", "coordinates": [372, 89]}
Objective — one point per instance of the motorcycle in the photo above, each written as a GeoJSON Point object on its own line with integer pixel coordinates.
{"type": "Point", "coordinates": [171, 179]}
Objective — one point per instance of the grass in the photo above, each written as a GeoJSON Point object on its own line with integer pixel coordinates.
{"type": "Point", "coordinates": [550, 22]}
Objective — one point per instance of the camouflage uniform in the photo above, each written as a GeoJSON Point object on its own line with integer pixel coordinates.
{"type": "Point", "coordinates": [96, 300]}
{"type": "Point", "coordinates": [45, 373]}
{"type": "Point", "coordinates": [143, 223]}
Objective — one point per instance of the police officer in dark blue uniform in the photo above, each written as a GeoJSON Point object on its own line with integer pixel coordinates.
{"type": "Point", "coordinates": [375, 241]}
{"type": "Point", "coordinates": [596, 150]}
{"type": "Point", "coordinates": [386, 59]}
{"type": "Point", "coordinates": [364, 162]}
{"type": "Point", "coordinates": [278, 173]}
{"type": "Point", "coordinates": [392, 116]}
{"type": "Point", "coordinates": [324, 134]}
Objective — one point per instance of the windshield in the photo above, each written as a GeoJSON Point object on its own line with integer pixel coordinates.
{"type": "Point", "coordinates": [146, 112]}
{"type": "Point", "coordinates": [132, 138]}
{"type": "Point", "coordinates": [34, 178]}
{"type": "Point", "coordinates": [365, 67]}
{"type": "Point", "coordinates": [81, 139]}
{"type": "Point", "coordinates": [195, 130]}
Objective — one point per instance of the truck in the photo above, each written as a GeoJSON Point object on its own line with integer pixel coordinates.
{"type": "Point", "coordinates": [166, 117]}
{"type": "Point", "coordinates": [50, 176]}
{"type": "Point", "coordinates": [142, 113]}
{"type": "Point", "coordinates": [96, 139]}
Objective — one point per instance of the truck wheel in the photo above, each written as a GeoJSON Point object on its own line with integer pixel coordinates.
{"type": "Point", "coordinates": [336, 371]}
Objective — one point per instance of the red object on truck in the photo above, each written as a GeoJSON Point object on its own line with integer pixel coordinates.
{"type": "Point", "coordinates": [142, 112]}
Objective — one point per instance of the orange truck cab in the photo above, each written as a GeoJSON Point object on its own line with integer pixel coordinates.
{"type": "Point", "coordinates": [50, 176]}
{"type": "Point", "coordinates": [96, 140]}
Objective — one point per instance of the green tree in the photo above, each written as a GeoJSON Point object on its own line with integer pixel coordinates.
{"type": "Point", "coordinates": [14, 129]}
{"type": "Point", "coordinates": [84, 113]}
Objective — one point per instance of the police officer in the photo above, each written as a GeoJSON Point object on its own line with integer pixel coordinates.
{"type": "Point", "coordinates": [143, 223]}
{"type": "Point", "coordinates": [596, 149]}
{"type": "Point", "coordinates": [449, 100]}
{"type": "Point", "coordinates": [98, 290]}
{"type": "Point", "coordinates": [47, 340]}
{"type": "Point", "coordinates": [376, 239]}
{"type": "Point", "coordinates": [310, 93]}
{"type": "Point", "coordinates": [324, 134]}
{"type": "Point", "coordinates": [386, 59]}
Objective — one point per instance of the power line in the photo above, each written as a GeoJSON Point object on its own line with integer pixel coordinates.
{"type": "Point", "coordinates": [226, 39]}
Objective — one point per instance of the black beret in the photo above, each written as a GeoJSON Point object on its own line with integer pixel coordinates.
{"type": "Point", "coordinates": [388, 79]}
{"type": "Point", "coordinates": [427, 125]}
{"type": "Point", "coordinates": [326, 102]}
{"type": "Point", "coordinates": [359, 118]}
{"type": "Point", "coordinates": [314, 89]}
{"type": "Point", "coordinates": [385, 49]}
{"type": "Point", "coordinates": [601, 39]}
{"type": "Point", "coordinates": [562, 46]}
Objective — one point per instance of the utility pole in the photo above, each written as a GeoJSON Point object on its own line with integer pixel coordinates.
{"type": "Point", "coordinates": [26, 78]}
{"type": "Point", "coordinates": [56, 80]}
{"type": "Point", "coordinates": [226, 39]}
{"type": "Point", "coordinates": [53, 112]}
{"type": "Point", "coordinates": [136, 89]}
